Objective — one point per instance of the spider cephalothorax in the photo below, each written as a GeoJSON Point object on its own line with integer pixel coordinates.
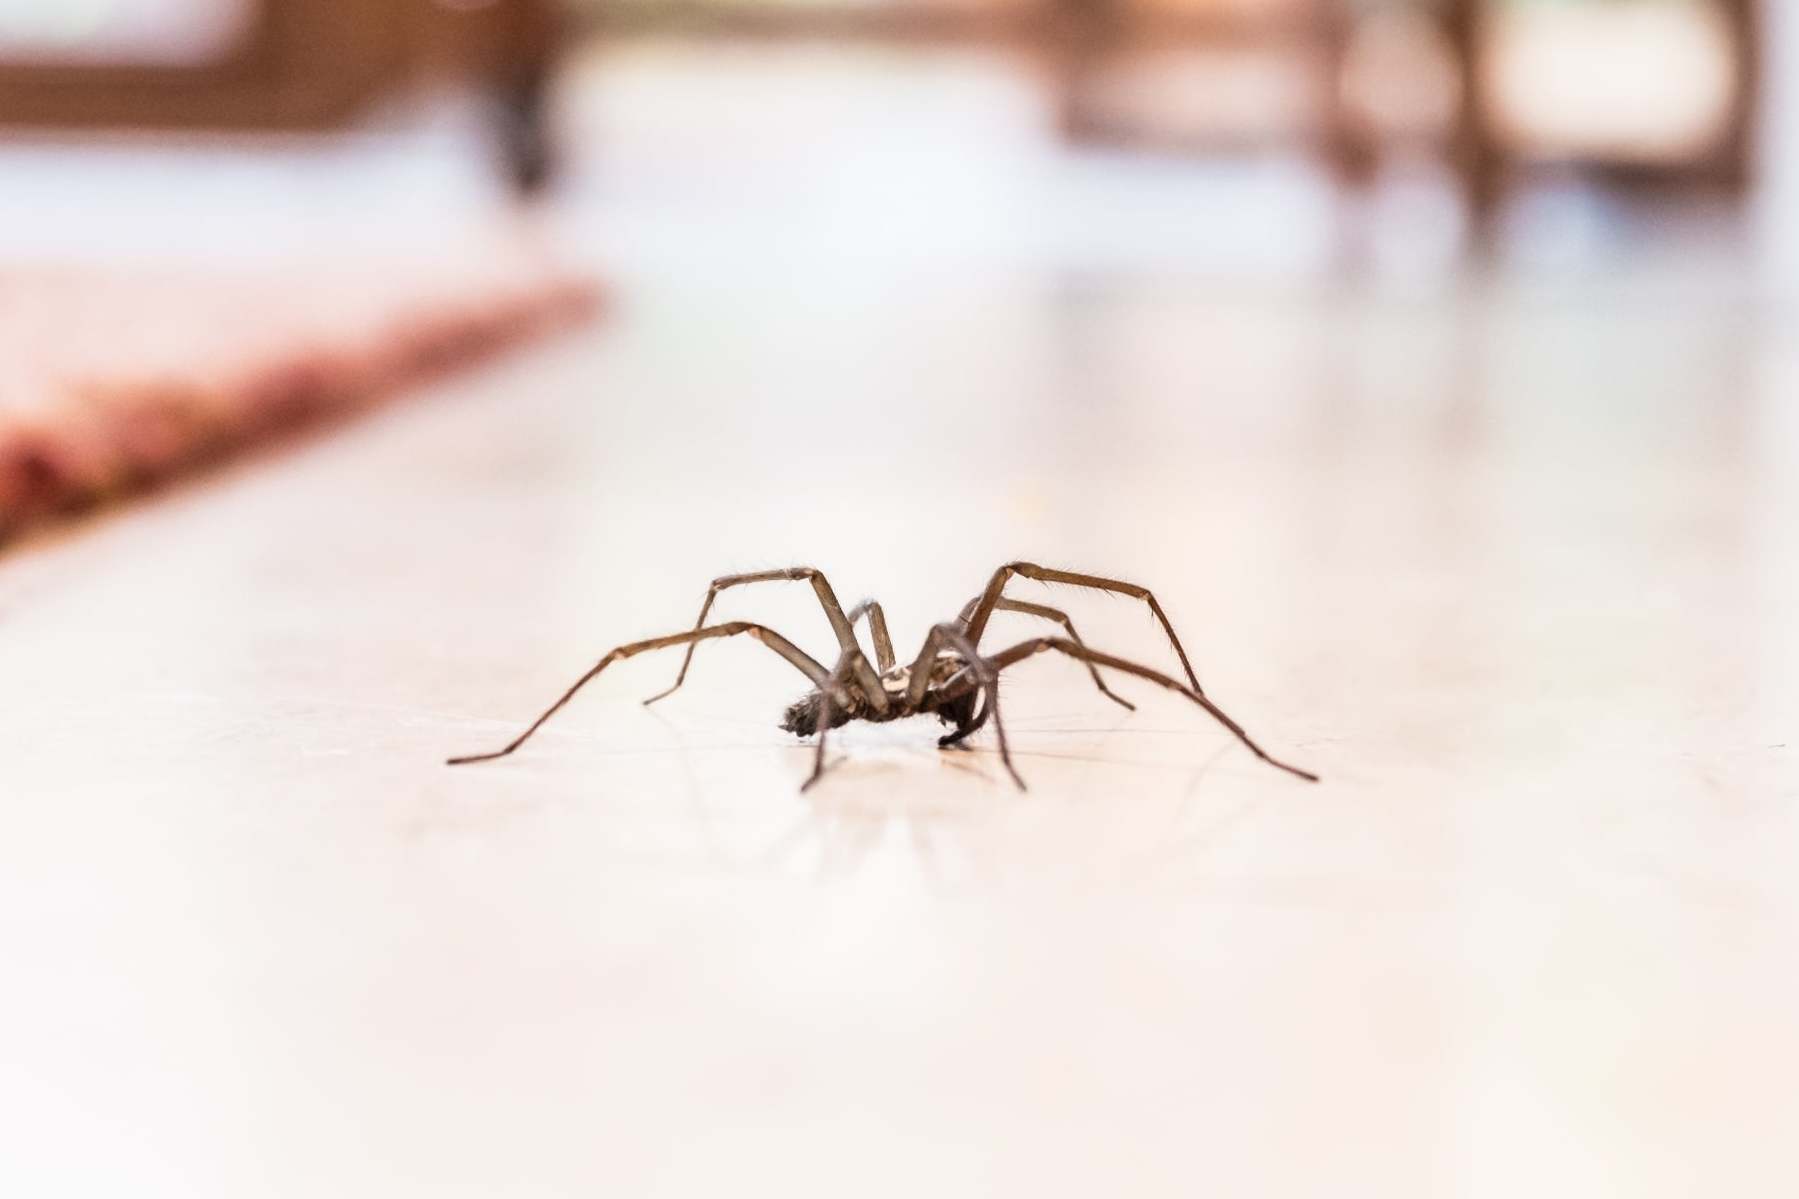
{"type": "Point", "coordinates": [948, 679]}
{"type": "Point", "coordinates": [951, 704]}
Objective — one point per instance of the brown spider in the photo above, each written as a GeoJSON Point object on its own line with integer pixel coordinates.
{"type": "Point", "coordinates": [946, 679]}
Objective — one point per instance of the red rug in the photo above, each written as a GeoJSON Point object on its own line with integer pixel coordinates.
{"type": "Point", "coordinates": [117, 381]}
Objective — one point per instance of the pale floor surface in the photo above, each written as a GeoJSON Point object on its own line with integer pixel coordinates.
{"type": "Point", "coordinates": [1512, 570]}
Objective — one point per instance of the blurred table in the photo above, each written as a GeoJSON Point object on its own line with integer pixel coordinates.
{"type": "Point", "coordinates": [1514, 573]}
{"type": "Point", "coordinates": [276, 66]}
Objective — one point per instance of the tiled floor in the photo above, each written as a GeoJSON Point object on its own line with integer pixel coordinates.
{"type": "Point", "coordinates": [1508, 560]}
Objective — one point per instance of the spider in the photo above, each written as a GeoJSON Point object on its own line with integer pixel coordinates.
{"type": "Point", "coordinates": [947, 679]}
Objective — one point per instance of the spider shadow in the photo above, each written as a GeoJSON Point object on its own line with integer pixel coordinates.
{"type": "Point", "coordinates": [885, 782]}
{"type": "Point", "coordinates": [890, 794]}
{"type": "Point", "coordinates": [862, 799]}
{"type": "Point", "coordinates": [870, 787]}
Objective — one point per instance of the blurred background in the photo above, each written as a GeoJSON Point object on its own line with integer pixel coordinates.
{"type": "Point", "coordinates": [1306, 131]}
{"type": "Point", "coordinates": [1289, 143]}
{"type": "Point", "coordinates": [1432, 361]}
{"type": "Point", "coordinates": [1292, 143]}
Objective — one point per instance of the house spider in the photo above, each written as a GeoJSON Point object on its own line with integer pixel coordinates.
{"type": "Point", "coordinates": [947, 679]}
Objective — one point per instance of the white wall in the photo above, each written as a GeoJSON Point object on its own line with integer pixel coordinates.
{"type": "Point", "coordinates": [1778, 202]}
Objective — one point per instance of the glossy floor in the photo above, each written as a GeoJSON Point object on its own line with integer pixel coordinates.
{"type": "Point", "coordinates": [1511, 565]}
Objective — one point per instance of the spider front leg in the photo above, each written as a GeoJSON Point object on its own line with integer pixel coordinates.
{"type": "Point", "coordinates": [976, 624]}
{"type": "Point", "coordinates": [964, 731]}
{"type": "Point", "coordinates": [1081, 653]}
{"type": "Point", "coordinates": [840, 625]}
{"type": "Point", "coordinates": [787, 649]}
{"type": "Point", "coordinates": [1046, 613]}
{"type": "Point", "coordinates": [986, 676]}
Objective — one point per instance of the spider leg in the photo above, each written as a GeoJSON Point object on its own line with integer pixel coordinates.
{"type": "Point", "coordinates": [1060, 617]}
{"type": "Point", "coordinates": [986, 674]}
{"type": "Point", "coordinates": [877, 628]}
{"type": "Point", "coordinates": [825, 697]}
{"type": "Point", "coordinates": [827, 598]}
{"type": "Point", "coordinates": [787, 649]}
{"type": "Point", "coordinates": [964, 732]}
{"type": "Point", "coordinates": [984, 607]}
{"type": "Point", "coordinates": [1081, 653]}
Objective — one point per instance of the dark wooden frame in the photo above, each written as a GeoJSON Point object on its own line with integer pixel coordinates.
{"type": "Point", "coordinates": [314, 64]}
{"type": "Point", "coordinates": [1486, 165]}
{"type": "Point", "coordinates": [302, 64]}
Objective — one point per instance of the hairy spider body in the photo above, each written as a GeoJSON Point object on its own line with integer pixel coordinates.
{"type": "Point", "coordinates": [952, 705]}
{"type": "Point", "coordinates": [949, 678]}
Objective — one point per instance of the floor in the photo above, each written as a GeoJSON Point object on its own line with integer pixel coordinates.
{"type": "Point", "coordinates": [1505, 557]}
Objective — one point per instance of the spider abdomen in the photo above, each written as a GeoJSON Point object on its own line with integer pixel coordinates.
{"type": "Point", "coordinates": [801, 717]}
